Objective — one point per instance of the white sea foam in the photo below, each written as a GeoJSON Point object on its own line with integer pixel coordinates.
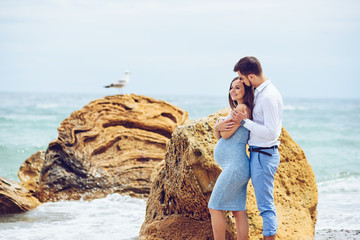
{"type": "Point", "coordinates": [338, 203]}
{"type": "Point", "coordinates": [47, 105]}
{"type": "Point", "coordinates": [338, 211]}
{"type": "Point", "coordinates": [293, 108]}
{"type": "Point", "coordinates": [340, 184]}
{"type": "Point", "coordinates": [113, 217]}
{"type": "Point", "coordinates": [28, 117]}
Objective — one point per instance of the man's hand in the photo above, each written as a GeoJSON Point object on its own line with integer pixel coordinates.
{"type": "Point", "coordinates": [237, 116]}
{"type": "Point", "coordinates": [225, 125]}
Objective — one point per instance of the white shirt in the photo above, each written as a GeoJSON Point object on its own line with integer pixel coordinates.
{"type": "Point", "coordinates": [265, 128]}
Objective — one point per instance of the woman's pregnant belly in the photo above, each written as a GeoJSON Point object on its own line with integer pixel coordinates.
{"type": "Point", "coordinates": [230, 153]}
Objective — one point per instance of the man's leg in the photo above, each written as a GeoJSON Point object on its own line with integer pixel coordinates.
{"type": "Point", "coordinates": [269, 237]}
{"type": "Point", "coordinates": [263, 169]}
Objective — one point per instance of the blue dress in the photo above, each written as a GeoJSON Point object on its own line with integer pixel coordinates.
{"type": "Point", "coordinates": [230, 189]}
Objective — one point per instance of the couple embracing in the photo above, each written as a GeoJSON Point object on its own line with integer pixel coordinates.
{"type": "Point", "coordinates": [256, 120]}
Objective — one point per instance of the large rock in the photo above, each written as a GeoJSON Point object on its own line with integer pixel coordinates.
{"type": "Point", "coordinates": [14, 198]}
{"type": "Point", "coordinates": [295, 194]}
{"type": "Point", "coordinates": [30, 171]}
{"type": "Point", "coordinates": [182, 185]}
{"type": "Point", "coordinates": [110, 145]}
{"type": "Point", "coordinates": [20, 197]}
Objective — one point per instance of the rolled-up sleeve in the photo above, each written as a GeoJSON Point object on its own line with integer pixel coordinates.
{"type": "Point", "coordinates": [272, 112]}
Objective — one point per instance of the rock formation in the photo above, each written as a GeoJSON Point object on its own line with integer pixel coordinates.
{"type": "Point", "coordinates": [20, 197]}
{"type": "Point", "coordinates": [182, 185]}
{"type": "Point", "coordinates": [110, 145]}
{"type": "Point", "coordinates": [30, 170]}
{"type": "Point", "coordinates": [14, 198]}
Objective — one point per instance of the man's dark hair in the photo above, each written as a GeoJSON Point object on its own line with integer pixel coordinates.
{"type": "Point", "coordinates": [248, 65]}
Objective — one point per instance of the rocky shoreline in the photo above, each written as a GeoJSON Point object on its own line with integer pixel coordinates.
{"type": "Point", "coordinates": [109, 146]}
{"type": "Point", "coordinates": [342, 234]}
{"type": "Point", "coordinates": [146, 148]}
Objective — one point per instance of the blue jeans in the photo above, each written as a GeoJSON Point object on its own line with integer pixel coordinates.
{"type": "Point", "coordinates": [262, 171]}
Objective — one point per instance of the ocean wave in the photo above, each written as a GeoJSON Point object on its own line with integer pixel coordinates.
{"type": "Point", "coordinates": [113, 217]}
{"type": "Point", "coordinates": [341, 183]}
{"type": "Point", "coordinates": [338, 211]}
{"type": "Point", "coordinates": [14, 118]}
{"type": "Point", "coordinates": [47, 105]}
{"type": "Point", "coordinates": [292, 108]}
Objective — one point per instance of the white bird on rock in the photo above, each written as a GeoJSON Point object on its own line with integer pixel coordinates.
{"type": "Point", "coordinates": [122, 82]}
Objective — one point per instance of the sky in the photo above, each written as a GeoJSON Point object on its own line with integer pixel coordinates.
{"type": "Point", "coordinates": [308, 48]}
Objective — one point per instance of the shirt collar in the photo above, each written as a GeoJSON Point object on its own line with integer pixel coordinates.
{"type": "Point", "coordinates": [262, 86]}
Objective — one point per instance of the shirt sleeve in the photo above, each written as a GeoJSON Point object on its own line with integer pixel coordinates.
{"type": "Point", "coordinates": [272, 112]}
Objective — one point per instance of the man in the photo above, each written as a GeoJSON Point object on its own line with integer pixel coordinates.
{"type": "Point", "coordinates": [265, 129]}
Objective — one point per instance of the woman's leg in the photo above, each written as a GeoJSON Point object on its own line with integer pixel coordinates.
{"type": "Point", "coordinates": [218, 224]}
{"type": "Point", "coordinates": [242, 225]}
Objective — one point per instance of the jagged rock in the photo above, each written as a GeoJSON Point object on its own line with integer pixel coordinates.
{"type": "Point", "coordinates": [30, 170]}
{"type": "Point", "coordinates": [182, 185]}
{"type": "Point", "coordinates": [110, 145]}
{"type": "Point", "coordinates": [14, 198]}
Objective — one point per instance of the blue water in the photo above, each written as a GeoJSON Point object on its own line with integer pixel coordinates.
{"type": "Point", "coordinates": [327, 130]}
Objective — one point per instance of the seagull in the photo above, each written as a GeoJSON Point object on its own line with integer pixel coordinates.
{"type": "Point", "coordinates": [120, 83]}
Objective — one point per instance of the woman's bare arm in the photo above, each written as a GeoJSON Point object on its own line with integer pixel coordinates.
{"type": "Point", "coordinates": [227, 134]}
{"type": "Point", "coordinates": [222, 125]}
{"type": "Point", "coordinates": [216, 130]}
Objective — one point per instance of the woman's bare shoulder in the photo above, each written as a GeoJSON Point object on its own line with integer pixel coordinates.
{"type": "Point", "coordinates": [241, 107]}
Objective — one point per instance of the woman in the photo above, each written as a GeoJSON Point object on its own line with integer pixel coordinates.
{"type": "Point", "coordinates": [229, 193]}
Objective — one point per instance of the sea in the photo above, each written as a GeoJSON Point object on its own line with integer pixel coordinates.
{"type": "Point", "coordinates": [328, 130]}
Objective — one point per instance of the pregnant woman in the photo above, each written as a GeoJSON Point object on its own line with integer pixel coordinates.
{"type": "Point", "coordinates": [229, 193]}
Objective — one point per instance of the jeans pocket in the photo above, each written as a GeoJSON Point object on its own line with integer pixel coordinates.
{"type": "Point", "coordinates": [269, 164]}
{"type": "Point", "coordinates": [260, 159]}
{"type": "Point", "coordinates": [275, 161]}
